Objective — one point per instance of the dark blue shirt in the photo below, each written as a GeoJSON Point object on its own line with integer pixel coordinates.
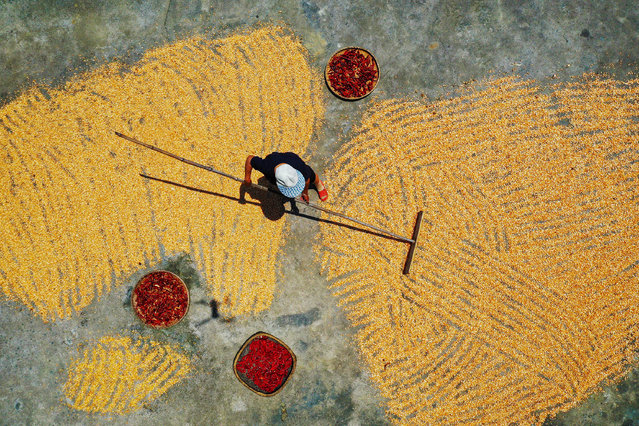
{"type": "Point", "coordinates": [267, 165]}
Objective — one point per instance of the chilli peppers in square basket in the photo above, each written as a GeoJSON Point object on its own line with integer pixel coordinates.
{"type": "Point", "coordinates": [264, 364]}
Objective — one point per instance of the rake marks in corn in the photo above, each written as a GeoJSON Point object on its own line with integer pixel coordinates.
{"type": "Point", "coordinates": [118, 375]}
{"type": "Point", "coordinates": [76, 210]}
{"type": "Point", "coordinates": [523, 295]}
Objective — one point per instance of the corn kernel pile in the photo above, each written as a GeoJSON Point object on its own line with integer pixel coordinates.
{"type": "Point", "coordinates": [76, 214]}
{"type": "Point", "coordinates": [523, 295]}
{"type": "Point", "coordinates": [119, 375]}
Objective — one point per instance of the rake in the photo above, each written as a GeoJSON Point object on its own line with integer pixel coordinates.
{"type": "Point", "coordinates": [411, 241]}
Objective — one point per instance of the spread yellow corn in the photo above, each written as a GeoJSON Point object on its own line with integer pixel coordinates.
{"type": "Point", "coordinates": [75, 211]}
{"type": "Point", "coordinates": [118, 374]}
{"type": "Point", "coordinates": [524, 293]}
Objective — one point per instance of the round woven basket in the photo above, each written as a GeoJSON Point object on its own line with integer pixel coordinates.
{"type": "Point", "coordinates": [134, 300]}
{"type": "Point", "coordinates": [364, 52]}
{"type": "Point", "coordinates": [244, 350]}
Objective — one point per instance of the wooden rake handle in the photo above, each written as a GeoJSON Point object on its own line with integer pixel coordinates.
{"type": "Point", "coordinates": [298, 199]}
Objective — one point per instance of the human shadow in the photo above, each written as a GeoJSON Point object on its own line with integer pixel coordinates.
{"type": "Point", "coordinates": [271, 203]}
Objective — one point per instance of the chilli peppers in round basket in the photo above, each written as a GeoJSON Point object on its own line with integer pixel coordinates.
{"type": "Point", "coordinates": [264, 364]}
{"type": "Point", "coordinates": [352, 73]}
{"type": "Point", "coordinates": [160, 299]}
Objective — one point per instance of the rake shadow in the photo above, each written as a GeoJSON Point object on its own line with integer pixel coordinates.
{"type": "Point", "coordinates": [271, 203]}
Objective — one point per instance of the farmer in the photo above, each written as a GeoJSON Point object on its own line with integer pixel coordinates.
{"type": "Point", "coordinates": [288, 171]}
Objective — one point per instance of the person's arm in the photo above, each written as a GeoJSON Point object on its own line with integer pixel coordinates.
{"type": "Point", "coordinates": [305, 191]}
{"type": "Point", "coordinates": [248, 169]}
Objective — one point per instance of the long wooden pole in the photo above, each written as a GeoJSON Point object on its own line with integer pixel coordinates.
{"type": "Point", "coordinates": [264, 188]}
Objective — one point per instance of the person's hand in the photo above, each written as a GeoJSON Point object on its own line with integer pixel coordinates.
{"type": "Point", "coordinates": [305, 197]}
{"type": "Point", "coordinates": [247, 180]}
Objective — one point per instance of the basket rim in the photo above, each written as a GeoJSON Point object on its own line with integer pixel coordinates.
{"type": "Point", "coordinates": [134, 298]}
{"type": "Point", "coordinates": [246, 343]}
{"type": "Point", "coordinates": [334, 92]}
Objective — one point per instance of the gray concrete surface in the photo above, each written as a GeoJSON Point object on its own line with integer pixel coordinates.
{"type": "Point", "coordinates": [424, 47]}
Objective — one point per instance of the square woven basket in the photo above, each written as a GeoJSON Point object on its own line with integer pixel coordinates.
{"type": "Point", "coordinates": [244, 351]}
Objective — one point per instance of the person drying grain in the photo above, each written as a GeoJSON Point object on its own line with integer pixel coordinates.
{"type": "Point", "coordinates": [288, 171]}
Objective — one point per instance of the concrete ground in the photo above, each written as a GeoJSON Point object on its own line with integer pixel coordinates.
{"type": "Point", "coordinates": [425, 49]}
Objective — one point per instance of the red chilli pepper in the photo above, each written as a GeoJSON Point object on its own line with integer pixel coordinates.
{"type": "Point", "coordinates": [161, 299]}
{"type": "Point", "coordinates": [352, 74]}
{"type": "Point", "coordinates": [267, 364]}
